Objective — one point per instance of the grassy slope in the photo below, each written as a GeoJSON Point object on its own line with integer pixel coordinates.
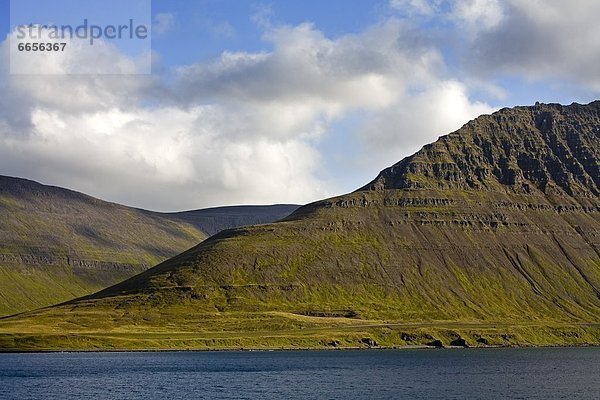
{"type": "Point", "coordinates": [510, 259]}
{"type": "Point", "coordinates": [56, 244]}
{"type": "Point", "coordinates": [296, 283]}
{"type": "Point", "coordinates": [26, 287]}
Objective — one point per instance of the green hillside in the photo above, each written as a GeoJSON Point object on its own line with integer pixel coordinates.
{"type": "Point", "coordinates": [489, 236]}
{"type": "Point", "coordinates": [57, 244]}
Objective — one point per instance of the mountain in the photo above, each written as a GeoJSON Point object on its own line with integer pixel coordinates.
{"type": "Point", "coordinates": [57, 244]}
{"type": "Point", "coordinates": [214, 220]}
{"type": "Point", "coordinates": [490, 235]}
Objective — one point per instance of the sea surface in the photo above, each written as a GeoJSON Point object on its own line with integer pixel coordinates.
{"type": "Point", "coordinates": [558, 373]}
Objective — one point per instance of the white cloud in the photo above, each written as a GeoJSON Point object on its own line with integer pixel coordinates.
{"type": "Point", "coordinates": [244, 128]}
{"type": "Point", "coordinates": [478, 14]}
{"type": "Point", "coordinates": [419, 118]}
{"type": "Point", "coordinates": [76, 58]}
{"type": "Point", "coordinates": [310, 81]}
{"type": "Point", "coordinates": [470, 15]}
{"type": "Point", "coordinates": [167, 158]}
{"type": "Point", "coordinates": [416, 7]}
{"type": "Point", "coordinates": [163, 23]}
{"type": "Point", "coordinates": [315, 75]}
{"type": "Point", "coordinates": [98, 135]}
{"type": "Point", "coordinates": [542, 40]}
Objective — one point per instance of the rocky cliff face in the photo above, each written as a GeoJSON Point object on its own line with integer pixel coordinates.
{"type": "Point", "coordinates": [545, 149]}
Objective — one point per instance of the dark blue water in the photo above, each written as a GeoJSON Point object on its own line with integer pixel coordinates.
{"type": "Point", "coordinates": [404, 374]}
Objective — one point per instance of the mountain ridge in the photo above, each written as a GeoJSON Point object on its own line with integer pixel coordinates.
{"type": "Point", "coordinates": [507, 164]}
{"type": "Point", "coordinates": [215, 219]}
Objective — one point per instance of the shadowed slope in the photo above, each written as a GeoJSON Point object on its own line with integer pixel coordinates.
{"type": "Point", "coordinates": [214, 220]}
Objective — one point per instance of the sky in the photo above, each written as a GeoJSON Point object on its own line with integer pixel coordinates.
{"type": "Point", "coordinates": [286, 101]}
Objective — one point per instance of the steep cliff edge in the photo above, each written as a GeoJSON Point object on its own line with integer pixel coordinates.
{"type": "Point", "coordinates": [544, 149]}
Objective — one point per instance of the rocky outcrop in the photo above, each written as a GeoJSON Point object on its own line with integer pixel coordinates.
{"type": "Point", "coordinates": [547, 148]}
{"type": "Point", "coordinates": [44, 260]}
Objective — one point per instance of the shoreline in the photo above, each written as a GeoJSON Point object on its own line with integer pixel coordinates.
{"type": "Point", "coordinates": [296, 349]}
